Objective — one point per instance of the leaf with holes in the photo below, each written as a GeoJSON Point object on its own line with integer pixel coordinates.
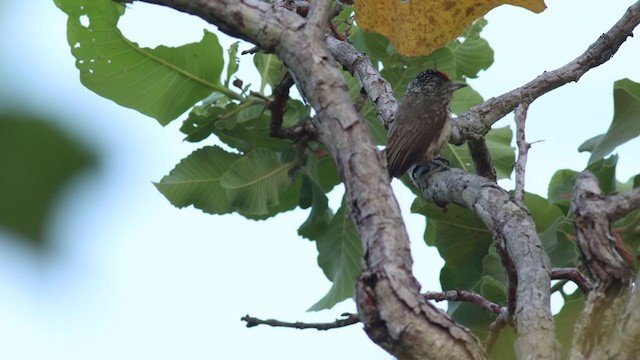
{"type": "Point", "coordinates": [254, 182]}
{"type": "Point", "coordinates": [162, 83]}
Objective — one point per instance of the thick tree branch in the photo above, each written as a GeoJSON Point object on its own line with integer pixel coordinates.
{"type": "Point", "coordinates": [349, 319]}
{"type": "Point", "coordinates": [477, 121]}
{"type": "Point", "coordinates": [597, 333]}
{"type": "Point", "coordinates": [526, 262]}
{"type": "Point", "coordinates": [620, 205]}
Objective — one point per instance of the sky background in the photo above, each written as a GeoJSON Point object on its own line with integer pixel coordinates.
{"type": "Point", "coordinates": [130, 276]}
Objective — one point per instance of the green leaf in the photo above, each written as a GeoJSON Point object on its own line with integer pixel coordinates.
{"type": "Point", "coordinates": [252, 134]}
{"type": "Point", "coordinates": [270, 68]}
{"type": "Point", "coordinates": [462, 240]}
{"type": "Point", "coordinates": [201, 123]}
{"type": "Point", "coordinates": [196, 181]}
{"type": "Point", "coordinates": [234, 62]}
{"type": "Point", "coordinates": [605, 171]}
{"type": "Point", "coordinates": [473, 53]}
{"type": "Point", "coordinates": [321, 169]}
{"type": "Point", "coordinates": [295, 112]}
{"type": "Point", "coordinates": [320, 215]}
{"type": "Point", "coordinates": [503, 348]}
{"type": "Point", "coordinates": [37, 161]}
{"type": "Point", "coordinates": [560, 190]}
{"type": "Point", "coordinates": [626, 120]}
{"type": "Point", "coordinates": [464, 99]}
{"type": "Point", "coordinates": [339, 255]}
{"type": "Point", "coordinates": [376, 46]}
{"type": "Point", "coordinates": [162, 83]}
{"type": "Point", "coordinates": [499, 144]}
{"type": "Point", "coordinates": [590, 144]}
{"type": "Point", "coordinates": [566, 319]}
{"type": "Point", "coordinates": [254, 182]}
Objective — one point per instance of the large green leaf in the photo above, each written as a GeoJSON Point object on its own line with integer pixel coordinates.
{"type": "Point", "coordinates": [499, 144]}
{"type": "Point", "coordinates": [37, 160]}
{"type": "Point", "coordinates": [566, 319]}
{"type": "Point", "coordinates": [320, 215]}
{"type": "Point", "coordinates": [560, 189]}
{"type": "Point", "coordinates": [473, 53]}
{"type": "Point", "coordinates": [605, 171]}
{"type": "Point", "coordinates": [270, 69]}
{"type": "Point", "coordinates": [626, 121]}
{"type": "Point", "coordinates": [162, 83]}
{"type": "Point", "coordinates": [339, 256]}
{"type": "Point", "coordinates": [254, 182]}
{"type": "Point", "coordinates": [196, 181]}
{"type": "Point", "coordinates": [464, 99]}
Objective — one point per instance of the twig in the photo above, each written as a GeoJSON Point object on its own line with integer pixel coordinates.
{"type": "Point", "coordinates": [304, 131]}
{"type": "Point", "coordinates": [477, 121]}
{"type": "Point", "coordinates": [495, 328]}
{"type": "Point", "coordinates": [253, 50]}
{"type": "Point", "coordinates": [574, 275]}
{"type": "Point", "coordinates": [349, 319]}
{"type": "Point", "coordinates": [523, 150]}
{"type": "Point", "coordinates": [482, 158]}
{"type": "Point", "coordinates": [466, 296]}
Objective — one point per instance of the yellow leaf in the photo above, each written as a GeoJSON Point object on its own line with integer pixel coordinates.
{"type": "Point", "coordinates": [418, 27]}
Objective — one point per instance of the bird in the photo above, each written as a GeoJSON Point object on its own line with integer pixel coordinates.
{"type": "Point", "coordinates": [422, 124]}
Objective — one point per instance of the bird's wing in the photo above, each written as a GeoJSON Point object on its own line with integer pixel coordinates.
{"type": "Point", "coordinates": [409, 139]}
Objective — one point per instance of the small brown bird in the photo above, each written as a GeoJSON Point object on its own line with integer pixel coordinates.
{"type": "Point", "coordinates": [422, 123]}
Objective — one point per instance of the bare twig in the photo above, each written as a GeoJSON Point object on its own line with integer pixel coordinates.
{"type": "Point", "coordinates": [574, 275]}
{"type": "Point", "coordinates": [501, 321]}
{"type": "Point", "coordinates": [304, 131]}
{"type": "Point", "coordinates": [349, 319]}
{"type": "Point", "coordinates": [482, 158]}
{"type": "Point", "coordinates": [253, 50]}
{"type": "Point", "coordinates": [523, 150]}
{"type": "Point", "coordinates": [466, 296]}
{"type": "Point", "coordinates": [477, 121]}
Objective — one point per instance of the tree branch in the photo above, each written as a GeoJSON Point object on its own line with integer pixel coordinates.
{"type": "Point", "coordinates": [595, 334]}
{"type": "Point", "coordinates": [482, 158]}
{"type": "Point", "coordinates": [523, 150]}
{"type": "Point", "coordinates": [574, 275]}
{"type": "Point", "coordinates": [477, 121]}
{"type": "Point", "coordinates": [526, 263]}
{"type": "Point", "coordinates": [349, 319]}
{"type": "Point", "coordinates": [467, 296]}
{"type": "Point", "coordinates": [620, 205]}
{"type": "Point", "coordinates": [358, 64]}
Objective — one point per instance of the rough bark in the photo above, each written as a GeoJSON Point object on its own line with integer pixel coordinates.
{"type": "Point", "coordinates": [607, 327]}
{"type": "Point", "coordinates": [526, 263]}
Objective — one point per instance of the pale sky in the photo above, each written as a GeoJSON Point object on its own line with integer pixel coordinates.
{"type": "Point", "coordinates": [131, 277]}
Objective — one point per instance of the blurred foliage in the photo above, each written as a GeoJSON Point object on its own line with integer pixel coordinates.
{"type": "Point", "coordinates": [37, 160]}
{"type": "Point", "coordinates": [259, 176]}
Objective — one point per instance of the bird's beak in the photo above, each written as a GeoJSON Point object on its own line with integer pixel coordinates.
{"type": "Point", "coordinates": [455, 86]}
